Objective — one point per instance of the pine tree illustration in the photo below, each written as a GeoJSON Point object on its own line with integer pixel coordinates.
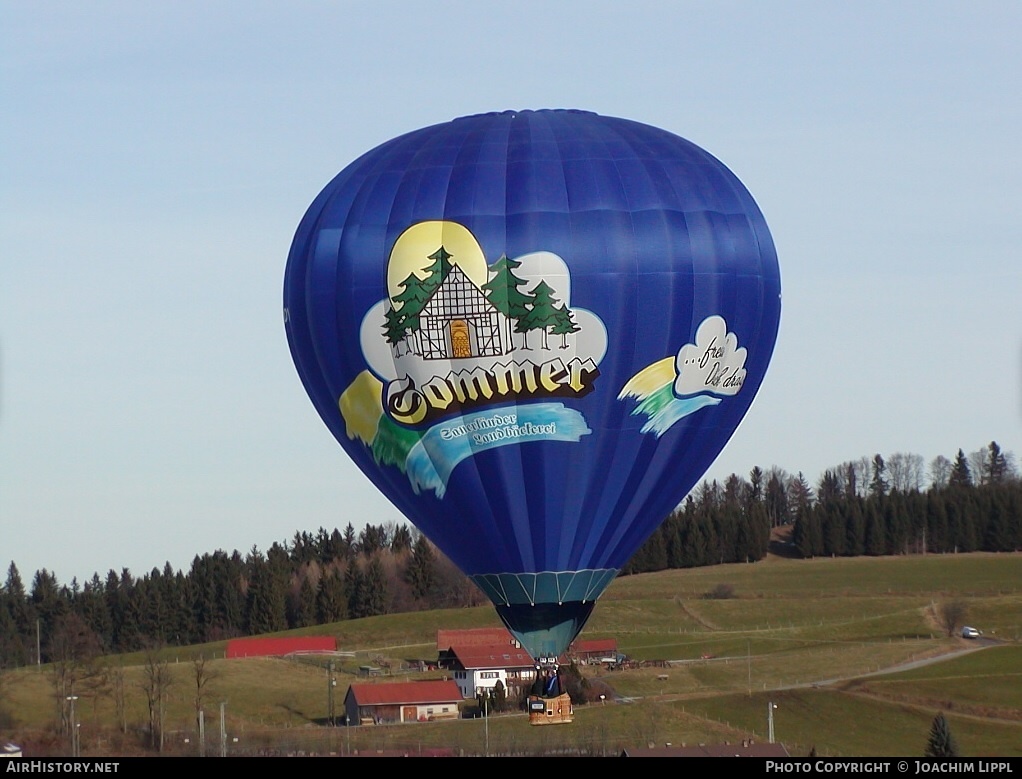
{"type": "Point", "coordinates": [502, 291]}
{"type": "Point", "coordinates": [438, 270]}
{"type": "Point", "coordinates": [410, 302]}
{"type": "Point", "coordinates": [564, 325]}
{"type": "Point", "coordinates": [542, 315]}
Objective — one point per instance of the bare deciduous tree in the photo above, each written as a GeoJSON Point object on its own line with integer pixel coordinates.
{"type": "Point", "coordinates": [75, 671]}
{"type": "Point", "coordinates": [951, 614]}
{"type": "Point", "coordinates": [905, 471]}
{"type": "Point", "coordinates": [156, 682]}
{"type": "Point", "coordinates": [117, 686]}
{"type": "Point", "coordinates": [977, 466]}
{"type": "Point", "coordinates": [940, 471]}
{"type": "Point", "coordinates": [202, 675]}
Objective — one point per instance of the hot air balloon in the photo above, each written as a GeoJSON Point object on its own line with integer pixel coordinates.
{"type": "Point", "coordinates": [534, 331]}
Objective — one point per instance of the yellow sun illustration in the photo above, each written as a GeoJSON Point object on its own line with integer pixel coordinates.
{"type": "Point", "coordinates": [412, 249]}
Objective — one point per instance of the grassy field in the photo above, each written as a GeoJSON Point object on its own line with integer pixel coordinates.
{"type": "Point", "coordinates": [808, 635]}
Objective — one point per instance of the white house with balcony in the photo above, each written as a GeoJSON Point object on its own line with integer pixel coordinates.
{"type": "Point", "coordinates": [478, 668]}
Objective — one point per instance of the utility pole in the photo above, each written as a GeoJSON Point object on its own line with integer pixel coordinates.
{"type": "Point", "coordinates": [75, 749]}
{"type": "Point", "coordinates": [748, 657]}
{"type": "Point", "coordinates": [202, 733]}
{"type": "Point", "coordinates": [223, 729]}
{"type": "Point", "coordinates": [331, 682]}
{"type": "Point", "coordinates": [770, 721]}
{"type": "Point", "coordinates": [486, 719]}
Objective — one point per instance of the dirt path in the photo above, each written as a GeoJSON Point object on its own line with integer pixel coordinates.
{"type": "Point", "coordinates": [695, 617]}
{"type": "Point", "coordinates": [983, 643]}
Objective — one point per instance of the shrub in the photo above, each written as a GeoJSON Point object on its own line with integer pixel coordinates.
{"type": "Point", "coordinates": [722, 591]}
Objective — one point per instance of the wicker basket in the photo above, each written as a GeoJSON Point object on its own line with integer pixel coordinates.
{"type": "Point", "coordinates": [550, 711]}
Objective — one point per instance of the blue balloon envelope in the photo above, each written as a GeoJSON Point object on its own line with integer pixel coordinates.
{"type": "Point", "coordinates": [534, 331]}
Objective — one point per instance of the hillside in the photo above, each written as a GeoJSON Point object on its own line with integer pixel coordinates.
{"type": "Point", "coordinates": [809, 635]}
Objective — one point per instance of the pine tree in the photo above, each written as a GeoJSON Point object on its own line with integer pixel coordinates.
{"type": "Point", "coordinates": [833, 529]}
{"type": "Point", "coordinates": [266, 607]}
{"type": "Point", "coordinates": [651, 556]}
{"type": "Point", "coordinates": [941, 742]}
{"type": "Point", "coordinates": [829, 488]}
{"type": "Point", "coordinates": [337, 547]}
{"type": "Point", "coordinates": [350, 543]}
{"type": "Point", "coordinates": [756, 485]}
{"type": "Point", "coordinates": [696, 546]}
{"type": "Point", "coordinates": [878, 486]}
{"type": "Point", "coordinates": [94, 610]}
{"type": "Point", "coordinates": [999, 535]}
{"type": "Point", "coordinates": [22, 616]}
{"type": "Point", "coordinates": [995, 469]}
{"type": "Point", "coordinates": [302, 604]}
{"type": "Point", "coordinates": [875, 539]}
{"type": "Point", "coordinates": [759, 527]}
{"type": "Point", "coordinates": [421, 572]}
{"type": "Point", "coordinates": [401, 539]}
{"type": "Point", "coordinates": [777, 501]}
{"type": "Point", "coordinates": [331, 598]}
{"type": "Point", "coordinates": [961, 474]}
{"type": "Point", "coordinates": [48, 604]}
{"type": "Point", "coordinates": [12, 648]}
{"type": "Point", "coordinates": [936, 523]}
{"type": "Point", "coordinates": [355, 586]}
{"type": "Point", "coordinates": [855, 528]}
{"type": "Point", "coordinates": [376, 587]}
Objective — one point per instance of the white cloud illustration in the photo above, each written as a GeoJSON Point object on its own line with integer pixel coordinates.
{"type": "Point", "coordinates": [714, 363]}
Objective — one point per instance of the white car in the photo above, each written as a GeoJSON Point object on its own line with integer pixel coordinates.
{"type": "Point", "coordinates": [968, 632]}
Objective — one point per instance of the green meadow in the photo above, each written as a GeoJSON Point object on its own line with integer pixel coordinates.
{"type": "Point", "coordinates": [833, 643]}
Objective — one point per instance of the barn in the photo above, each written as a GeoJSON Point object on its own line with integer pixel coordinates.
{"type": "Point", "coordinates": [368, 704]}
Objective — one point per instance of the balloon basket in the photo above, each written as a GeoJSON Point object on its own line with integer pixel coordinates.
{"type": "Point", "coordinates": [550, 711]}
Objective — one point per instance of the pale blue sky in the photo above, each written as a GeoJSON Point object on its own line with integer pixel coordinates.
{"type": "Point", "coordinates": [156, 159]}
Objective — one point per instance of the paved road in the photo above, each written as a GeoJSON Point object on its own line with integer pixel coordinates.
{"type": "Point", "coordinates": [975, 646]}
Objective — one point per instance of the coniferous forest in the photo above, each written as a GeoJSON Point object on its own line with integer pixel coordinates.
{"type": "Point", "coordinates": [864, 507]}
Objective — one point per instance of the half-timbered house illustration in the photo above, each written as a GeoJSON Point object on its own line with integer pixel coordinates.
{"type": "Point", "coordinates": [458, 321]}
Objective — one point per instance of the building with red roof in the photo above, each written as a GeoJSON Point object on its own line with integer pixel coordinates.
{"type": "Point", "coordinates": [478, 667]}
{"type": "Point", "coordinates": [368, 704]}
{"type": "Point", "coordinates": [586, 651]}
{"type": "Point", "coordinates": [594, 650]}
{"type": "Point", "coordinates": [278, 647]}
{"type": "Point", "coordinates": [445, 639]}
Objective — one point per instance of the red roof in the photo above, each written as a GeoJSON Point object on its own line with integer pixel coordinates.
{"type": "Point", "coordinates": [474, 657]}
{"type": "Point", "coordinates": [594, 646]}
{"type": "Point", "coordinates": [474, 637]}
{"type": "Point", "coordinates": [275, 647]}
{"type": "Point", "coordinates": [398, 693]}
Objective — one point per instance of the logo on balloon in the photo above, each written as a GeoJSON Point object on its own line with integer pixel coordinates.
{"type": "Point", "coordinates": [457, 344]}
{"type": "Point", "coordinates": [701, 373]}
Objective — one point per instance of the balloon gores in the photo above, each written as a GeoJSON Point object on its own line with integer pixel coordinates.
{"type": "Point", "coordinates": [534, 331]}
